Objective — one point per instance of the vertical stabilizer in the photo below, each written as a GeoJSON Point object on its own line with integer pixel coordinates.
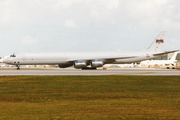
{"type": "Point", "coordinates": [157, 45]}
{"type": "Point", "coordinates": [174, 56]}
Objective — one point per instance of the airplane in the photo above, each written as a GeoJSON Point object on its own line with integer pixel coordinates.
{"type": "Point", "coordinates": [167, 63]}
{"type": "Point", "coordinates": [88, 60]}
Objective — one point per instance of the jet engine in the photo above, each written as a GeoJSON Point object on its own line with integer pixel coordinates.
{"type": "Point", "coordinates": [80, 64]}
{"type": "Point", "coordinates": [96, 63]}
{"type": "Point", "coordinates": [65, 65]}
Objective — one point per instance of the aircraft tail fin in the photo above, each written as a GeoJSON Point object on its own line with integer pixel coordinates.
{"type": "Point", "coordinates": [174, 56]}
{"type": "Point", "coordinates": [158, 43]}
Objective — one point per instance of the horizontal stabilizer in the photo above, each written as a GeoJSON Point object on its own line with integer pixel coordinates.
{"type": "Point", "coordinates": [163, 53]}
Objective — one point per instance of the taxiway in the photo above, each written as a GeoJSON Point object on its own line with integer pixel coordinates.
{"type": "Point", "coordinates": [71, 71]}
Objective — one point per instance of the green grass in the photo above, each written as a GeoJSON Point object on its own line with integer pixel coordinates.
{"type": "Point", "coordinates": [90, 97]}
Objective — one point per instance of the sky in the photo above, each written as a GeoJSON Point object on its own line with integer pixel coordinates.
{"type": "Point", "coordinates": [87, 25]}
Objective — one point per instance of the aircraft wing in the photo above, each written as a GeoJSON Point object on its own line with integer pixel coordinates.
{"type": "Point", "coordinates": [103, 59]}
{"type": "Point", "coordinates": [163, 53]}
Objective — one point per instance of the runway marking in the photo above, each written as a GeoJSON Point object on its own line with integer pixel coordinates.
{"type": "Point", "coordinates": [139, 73]}
{"type": "Point", "coordinates": [148, 73]}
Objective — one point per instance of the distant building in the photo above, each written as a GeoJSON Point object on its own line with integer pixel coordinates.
{"type": "Point", "coordinates": [178, 57]}
{"type": "Point", "coordinates": [167, 57]}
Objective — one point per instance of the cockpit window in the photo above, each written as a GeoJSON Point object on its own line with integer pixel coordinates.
{"type": "Point", "coordinates": [13, 55]}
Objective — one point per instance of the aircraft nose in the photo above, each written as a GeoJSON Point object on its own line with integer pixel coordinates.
{"type": "Point", "coordinates": [1, 60]}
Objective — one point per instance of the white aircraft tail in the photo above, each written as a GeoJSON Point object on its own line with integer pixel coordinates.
{"type": "Point", "coordinates": [157, 45]}
{"type": "Point", "coordinates": [173, 58]}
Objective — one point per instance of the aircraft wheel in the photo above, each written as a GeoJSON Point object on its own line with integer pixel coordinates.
{"type": "Point", "coordinates": [89, 68]}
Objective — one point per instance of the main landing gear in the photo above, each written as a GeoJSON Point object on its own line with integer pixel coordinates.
{"type": "Point", "coordinates": [18, 68]}
{"type": "Point", "coordinates": [89, 68]}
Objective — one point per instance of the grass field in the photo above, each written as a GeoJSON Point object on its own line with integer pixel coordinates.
{"type": "Point", "coordinates": [90, 97]}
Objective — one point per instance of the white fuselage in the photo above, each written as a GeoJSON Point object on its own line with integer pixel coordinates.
{"type": "Point", "coordinates": [63, 58]}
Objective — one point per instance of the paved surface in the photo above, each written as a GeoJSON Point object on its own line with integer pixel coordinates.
{"type": "Point", "coordinates": [109, 71]}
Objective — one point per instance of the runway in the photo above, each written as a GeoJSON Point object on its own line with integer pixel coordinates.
{"type": "Point", "coordinates": [71, 71]}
